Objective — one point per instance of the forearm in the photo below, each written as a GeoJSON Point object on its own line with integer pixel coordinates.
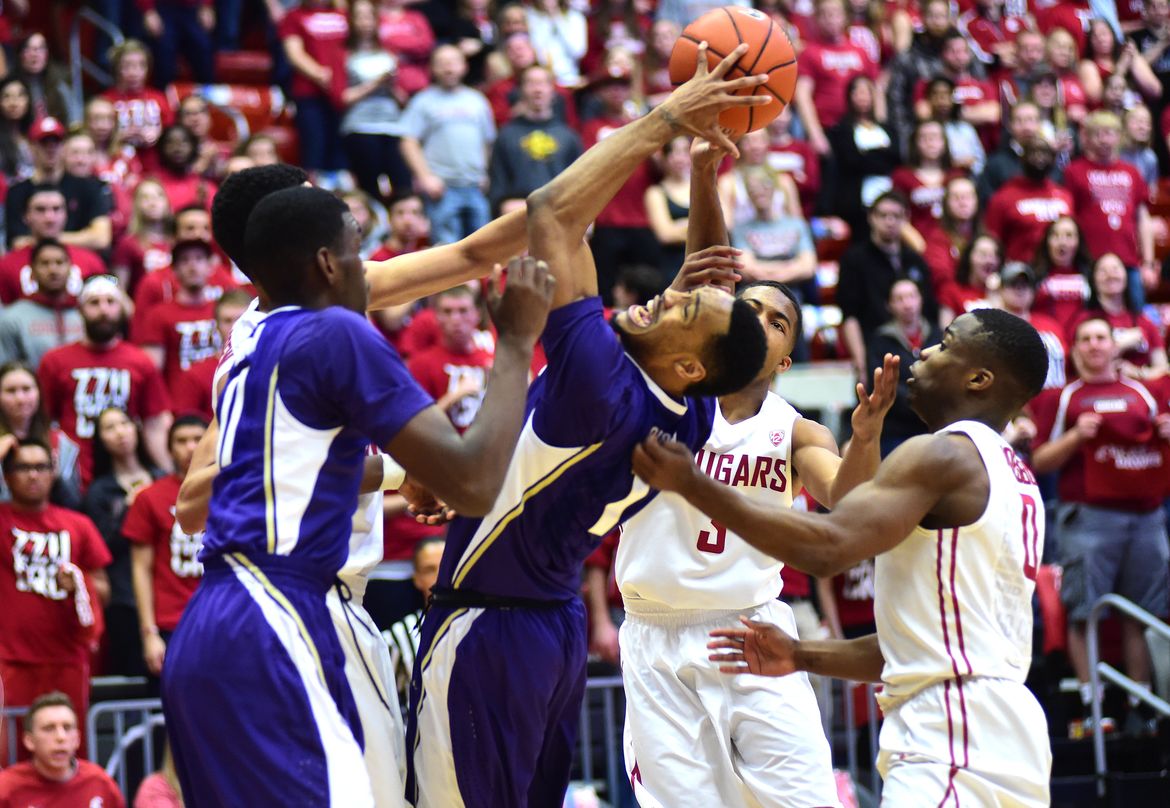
{"type": "Point", "coordinates": [858, 660]}
{"type": "Point", "coordinates": [1145, 234]}
{"type": "Point", "coordinates": [412, 153]}
{"type": "Point", "coordinates": [595, 586]}
{"type": "Point", "coordinates": [851, 331]}
{"type": "Point", "coordinates": [705, 224]}
{"type": "Point", "coordinates": [1053, 455]}
{"type": "Point", "coordinates": [858, 465]}
{"type": "Point", "coordinates": [99, 582]}
{"type": "Point", "coordinates": [828, 601]}
{"type": "Point", "coordinates": [141, 559]}
{"type": "Point", "coordinates": [807, 110]}
{"type": "Point", "coordinates": [96, 236]}
{"type": "Point", "coordinates": [193, 505]}
{"type": "Point", "coordinates": [981, 114]}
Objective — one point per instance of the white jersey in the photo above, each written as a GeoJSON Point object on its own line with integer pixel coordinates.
{"type": "Point", "coordinates": [957, 602]}
{"type": "Point", "coordinates": [671, 556]}
{"type": "Point", "coordinates": [365, 544]}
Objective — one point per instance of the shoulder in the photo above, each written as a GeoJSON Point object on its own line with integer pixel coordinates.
{"type": "Point", "coordinates": [941, 462]}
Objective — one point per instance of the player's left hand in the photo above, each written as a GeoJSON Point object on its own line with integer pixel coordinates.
{"type": "Point", "coordinates": [663, 463]}
{"type": "Point", "coordinates": [425, 507]}
{"type": "Point", "coordinates": [761, 648]}
{"type": "Point", "coordinates": [872, 407]}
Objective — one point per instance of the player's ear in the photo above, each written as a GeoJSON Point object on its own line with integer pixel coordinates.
{"type": "Point", "coordinates": [689, 368]}
{"type": "Point", "coordinates": [980, 379]}
{"type": "Point", "coordinates": [327, 267]}
{"type": "Point", "coordinates": [784, 364]}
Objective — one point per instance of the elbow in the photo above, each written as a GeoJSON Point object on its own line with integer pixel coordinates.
{"type": "Point", "coordinates": [475, 499]}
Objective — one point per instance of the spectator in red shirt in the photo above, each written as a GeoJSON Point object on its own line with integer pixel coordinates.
{"type": "Point", "coordinates": [178, 333]}
{"type": "Point", "coordinates": [503, 94]}
{"type": "Point", "coordinates": [146, 245]}
{"type": "Point", "coordinates": [55, 776]}
{"type": "Point", "coordinates": [1109, 202]}
{"type": "Point", "coordinates": [82, 379]}
{"type": "Point", "coordinates": [923, 181]}
{"type": "Point", "coordinates": [989, 31]}
{"type": "Point", "coordinates": [1140, 346]}
{"type": "Point", "coordinates": [53, 581]}
{"type": "Point", "coordinates": [45, 216]}
{"type": "Point", "coordinates": [1017, 293]}
{"type": "Point", "coordinates": [1062, 51]}
{"type": "Point", "coordinates": [956, 228]}
{"type": "Point", "coordinates": [1062, 271]}
{"type": "Point", "coordinates": [192, 393]}
{"type": "Point", "coordinates": [406, 33]}
{"type": "Point", "coordinates": [827, 64]}
{"type": "Point", "coordinates": [313, 35]}
{"type": "Point", "coordinates": [1107, 438]}
{"type": "Point", "coordinates": [976, 279]}
{"type": "Point", "coordinates": [211, 155]}
{"type": "Point", "coordinates": [977, 99]}
{"type": "Point", "coordinates": [180, 27]}
{"type": "Point", "coordinates": [117, 160]}
{"type": "Point", "coordinates": [1105, 56]}
{"type": "Point", "coordinates": [163, 559]}
{"type": "Point", "coordinates": [656, 84]}
{"type": "Point", "coordinates": [1024, 206]}
{"type": "Point", "coordinates": [142, 111]}
{"type": "Point", "coordinates": [795, 158]}
{"type": "Point", "coordinates": [178, 149]}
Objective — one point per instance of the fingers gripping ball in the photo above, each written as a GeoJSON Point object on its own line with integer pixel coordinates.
{"type": "Point", "coordinates": [769, 51]}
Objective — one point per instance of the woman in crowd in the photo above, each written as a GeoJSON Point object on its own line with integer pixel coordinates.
{"type": "Point", "coordinates": [1061, 49]}
{"type": "Point", "coordinates": [956, 228]}
{"type": "Point", "coordinates": [1137, 144]}
{"type": "Point", "coordinates": [1062, 269]}
{"type": "Point", "coordinates": [963, 141]}
{"type": "Point", "coordinates": [405, 34]}
{"type": "Point", "coordinates": [22, 416]}
{"type": "Point", "coordinates": [753, 154]}
{"type": "Point", "coordinates": [118, 164]}
{"type": "Point", "coordinates": [976, 283]}
{"type": "Point", "coordinates": [121, 469]}
{"type": "Point", "coordinates": [16, 116]}
{"type": "Point", "coordinates": [1139, 341]}
{"type": "Point", "coordinates": [370, 130]}
{"type": "Point", "coordinates": [615, 24]}
{"type": "Point", "coordinates": [177, 152]}
{"type": "Point", "coordinates": [923, 181]}
{"type": "Point", "coordinates": [48, 83]}
{"type": "Point", "coordinates": [561, 37]}
{"type": "Point", "coordinates": [146, 245]}
{"type": "Point", "coordinates": [655, 62]}
{"type": "Point", "coordinates": [865, 156]}
{"type": "Point", "coordinates": [668, 204]}
{"type": "Point", "coordinates": [142, 111]}
{"type": "Point", "coordinates": [1055, 125]}
{"type": "Point", "coordinates": [1106, 56]}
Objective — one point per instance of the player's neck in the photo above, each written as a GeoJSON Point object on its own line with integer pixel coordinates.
{"type": "Point", "coordinates": [746, 403]}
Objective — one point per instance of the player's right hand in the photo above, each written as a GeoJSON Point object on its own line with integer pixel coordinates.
{"type": "Point", "coordinates": [520, 310]}
{"type": "Point", "coordinates": [695, 106]}
{"type": "Point", "coordinates": [714, 266]}
{"type": "Point", "coordinates": [761, 648]}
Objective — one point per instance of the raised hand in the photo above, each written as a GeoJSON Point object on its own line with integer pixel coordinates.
{"type": "Point", "coordinates": [872, 407]}
{"type": "Point", "coordinates": [663, 463]}
{"type": "Point", "coordinates": [695, 106]}
{"type": "Point", "coordinates": [714, 266]}
{"type": "Point", "coordinates": [520, 309]}
{"type": "Point", "coordinates": [760, 648]}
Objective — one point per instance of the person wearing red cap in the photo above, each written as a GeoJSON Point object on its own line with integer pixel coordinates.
{"type": "Point", "coordinates": [87, 222]}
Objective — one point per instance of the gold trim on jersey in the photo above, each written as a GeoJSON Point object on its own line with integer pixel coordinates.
{"type": "Point", "coordinates": [505, 520]}
{"type": "Point", "coordinates": [269, 483]}
{"type": "Point", "coordinates": [283, 602]}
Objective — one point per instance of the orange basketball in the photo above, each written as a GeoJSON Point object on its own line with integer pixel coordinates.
{"type": "Point", "coordinates": [769, 51]}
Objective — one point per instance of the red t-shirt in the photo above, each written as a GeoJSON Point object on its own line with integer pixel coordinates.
{"type": "Point", "coordinates": [188, 334]}
{"type": "Point", "coordinates": [191, 393]}
{"type": "Point", "coordinates": [853, 591]}
{"type": "Point", "coordinates": [185, 190]}
{"type": "Point", "coordinates": [926, 201]}
{"type": "Point", "coordinates": [831, 66]}
{"type": "Point", "coordinates": [420, 334]}
{"type": "Point", "coordinates": [141, 114]}
{"type": "Point", "coordinates": [409, 37]}
{"type": "Point", "coordinates": [797, 585]}
{"type": "Point", "coordinates": [176, 571]}
{"type": "Point", "coordinates": [1019, 212]}
{"type": "Point", "coordinates": [942, 257]}
{"type": "Point", "coordinates": [79, 381]}
{"type": "Point", "coordinates": [1061, 295]}
{"type": "Point", "coordinates": [438, 370]}
{"type": "Point", "coordinates": [1071, 16]}
{"type": "Point", "coordinates": [984, 34]}
{"type": "Point", "coordinates": [22, 785]}
{"type": "Point", "coordinates": [39, 622]}
{"type": "Point", "coordinates": [961, 299]}
{"type": "Point", "coordinates": [140, 258]}
{"type": "Point", "coordinates": [1124, 466]}
{"type": "Point", "coordinates": [323, 32]}
{"type": "Point", "coordinates": [1106, 199]}
{"type": "Point", "coordinates": [798, 159]}
{"type": "Point", "coordinates": [16, 280]}
{"type": "Point", "coordinates": [968, 91]}
{"type": "Point", "coordinates": [161, 287]}
{"type": "Point", "coordinates": [1124, 320]}
{"type": "Point", "coordinates": [628, 207]}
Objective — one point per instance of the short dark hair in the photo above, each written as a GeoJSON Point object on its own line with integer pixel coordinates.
{"type": "Point", "coordinates": [42, 188]}
{"type": "Point", "coordinates": [643, 280]}
{"type": "Point", "coordinates": [424, 543]}
{"type": "Point", "coordinates": [237, 197]}
{"type": "Point", "coordinates": [46, 244]}
{"type": "Point", "coordinates": [892, 195]}
{"type": "Point", "coordinates": [784, 289]}
{"type": "Point", "coordinates": [194, 207]}
{"type": "Point", "coordinates": [1015, 347]}
{"type": "Point", "coordinates": [54, 698]}
{"type": "Point", "coordinates": [10, 458]}
{"type": "Point", "coordinates": [733, 359]}
{"type": "Point", "coordinates": [401, 196]}
{"type": "Point", "coordinates": [188, 135]}
{"type": "Point", "coordinates": [185, 421]}
{"type": "Point", "coordinates": [283, 233]}
{"type": "Point", "coordinates": [1092, 318]}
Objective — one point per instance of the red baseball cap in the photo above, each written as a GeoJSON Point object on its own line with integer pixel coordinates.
{"type": "Point", "coordinates": [45, 128]}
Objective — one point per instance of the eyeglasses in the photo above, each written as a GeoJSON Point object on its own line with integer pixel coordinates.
{"type": "Point", "coordinates": [29, 468]}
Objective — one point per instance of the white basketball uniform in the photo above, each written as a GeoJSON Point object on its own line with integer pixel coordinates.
{"type": "Point", "coordinates": [954, 616]}
{"type": "Point", "coordinates": [367, 657]}
{"type": "Point", "coordinates": [695, 736]}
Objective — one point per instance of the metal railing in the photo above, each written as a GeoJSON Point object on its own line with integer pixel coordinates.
{"type": "Point", "coordinates": [1099, 670]}
{"type": "Point", "coordinates": [609, 687]}
{"type": "Point", "coordinates": [126, 733]}
{"type": "Point", "coordinates": [11, 722]}
{"type": "Point", "coordinates": [81, 65]}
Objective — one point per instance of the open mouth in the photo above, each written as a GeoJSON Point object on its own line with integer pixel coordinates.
{"type": "Point", "coordinates": [643, 316]}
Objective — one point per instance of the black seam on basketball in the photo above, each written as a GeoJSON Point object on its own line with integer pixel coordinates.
{"type": "Point", "coordinates": [782, 64]}
{"type": "Point", "coordinates": [731, 17]}
{"type": "Point", "coordinates": [690, 38]}
{"type": "Point", "coordinates": [763, 48]}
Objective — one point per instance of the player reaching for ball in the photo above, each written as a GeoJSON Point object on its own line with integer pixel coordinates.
{"type": "Point", "coordinates": [956, 524]}
{"type": "Point", "coordinates": [500, 672]}
{"type": "Point", "coordinates": [694, 738]}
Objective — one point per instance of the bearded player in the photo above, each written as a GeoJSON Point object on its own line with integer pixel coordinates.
{"type": "Point", "coordinates": [956, 524]}
{"type": "Point", "coordinates": [694, 738]}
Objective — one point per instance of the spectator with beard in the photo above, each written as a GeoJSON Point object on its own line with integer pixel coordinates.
{"type": "Point", "coordinates": [45, 216]}
{"type": "Point", "coordinates": [46, 319]}
{"type": "Point", "coordinates": [1004, 163]}
{"type": "Point", "coordinates": [977, 99]}
{"type": "Point", "coordinates": [101, 370]}
{"type": "Point", "coordinates": [1018, 212]}
{"type": "Point", "coordinates": [922, 59]}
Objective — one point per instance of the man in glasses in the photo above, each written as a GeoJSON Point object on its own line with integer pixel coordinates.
{"type": "Point", "coordinates": [52, 582]}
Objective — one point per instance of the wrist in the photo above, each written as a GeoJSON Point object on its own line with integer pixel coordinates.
{"type": "Point", "coordinates": [519, 344]}
{"type": "Point", "coordinates": [393, 474]}
{"type": "Point", "coordinates": [150, 631]}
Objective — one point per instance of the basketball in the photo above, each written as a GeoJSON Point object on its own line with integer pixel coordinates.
{"type": "Point", "coordinates": [769, 51]}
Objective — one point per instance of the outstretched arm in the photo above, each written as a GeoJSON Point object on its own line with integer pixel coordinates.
{"type": "Point", "coordinates": [561, 211]}
{"type": "Point", "coordinates": [705, 224]}
{"type": "Point", "coordinates": [765, 650]}
{"type": "Point", "coordinates": [927, 475]}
